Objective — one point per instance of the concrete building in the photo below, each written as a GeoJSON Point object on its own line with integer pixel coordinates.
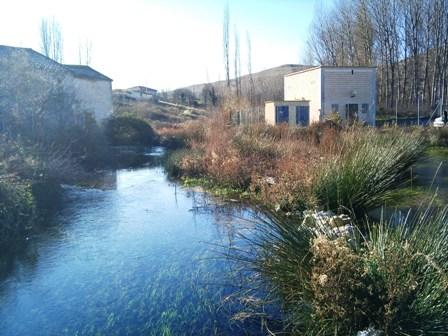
{"type": "Point", "coordinates": [133, 95]}
{"type": "Point", "coordinates": [142, 93]}
{"type": "Point", "coordinates": [312, 94]}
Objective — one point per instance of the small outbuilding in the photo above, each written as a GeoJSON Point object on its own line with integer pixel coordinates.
{"type": "Point", "coordinates": [313, 94]}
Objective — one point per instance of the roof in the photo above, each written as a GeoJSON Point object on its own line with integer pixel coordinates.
{"type": "Point", "coordinates": [330, 67]}
{"type": "Point", "coordinates": [142, 87]}
{"type": "Point", "coordinates": [84, 71]}
{"type": "Point", "coordinates": [36, 56]}
{"type": "Point", "coordinates": [81, 71]}
{"type": "Point", "coordinates": [296, 101]}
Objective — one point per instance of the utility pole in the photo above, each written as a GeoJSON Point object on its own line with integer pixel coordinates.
{"type": "Point", "coordinates": [418, 108]}
{"type": "Point", "coordinates": [396, 107]}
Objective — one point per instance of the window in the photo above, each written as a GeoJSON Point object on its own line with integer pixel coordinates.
{"type": "Point", "coordinates": [334, 108]}
{"type": "Point", "coordinates": [365, 108]}
{"type": "Point", "coordinates": [281, 114]}
{"type": "Point", "coordinates": [302, 115]}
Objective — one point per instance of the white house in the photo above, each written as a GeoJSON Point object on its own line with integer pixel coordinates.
{"type": "Point", "coordinates": [30, 82]}
{"type": "Point", "coordinates": [93, 91]}
{"type": "Point", "coordinates": [142, 92]}
{"type": "Point", "coordinates": [133, 95]}
{"type": "Point", "coordinates": [312, 94]}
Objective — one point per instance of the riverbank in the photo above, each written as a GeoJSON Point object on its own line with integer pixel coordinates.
{"type": "Point", "coordinates": [290, 170]}
{"type": "Point", "coordinates": [334, 270]}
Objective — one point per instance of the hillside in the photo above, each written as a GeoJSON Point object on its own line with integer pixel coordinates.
{"type": "Point", "coordinates": [159, 113]}
{"type": "Point", "coordinates": [268, 83]}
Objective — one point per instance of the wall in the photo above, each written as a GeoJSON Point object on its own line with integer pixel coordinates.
{"type": "Point", "coordinates": [306, 85]}
{"type": "Point", "coordinates": [339, 83]}
{"type": "Point", "coordinates": [94, 96]}
{"type": "Point", "coordinates": [270, 111]}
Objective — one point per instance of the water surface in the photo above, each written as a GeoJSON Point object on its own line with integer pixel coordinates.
{"type": "Point", "coordinates": [136, 258]}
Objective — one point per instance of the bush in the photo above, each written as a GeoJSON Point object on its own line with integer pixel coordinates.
{"type": "Point", "coordinates": [437, 136]}
{"type": "Point", "coordinates": [394, 279]}
{"type": "Point", "coordinates": [183, 163]}
{"type": "Point", "coordinates": [129, 131]}
{"type": "Point", "coordinates": [16, 208]}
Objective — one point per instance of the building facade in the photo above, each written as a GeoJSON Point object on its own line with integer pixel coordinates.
{"type": "Point", "coordinates": [349, 92]}
{"type": "Point", "coordinates": [93, 91]}
{"type": "Point", "coordinates": [39, 92]}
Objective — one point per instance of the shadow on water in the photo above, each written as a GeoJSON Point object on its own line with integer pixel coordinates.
{"type": "Point", "coordinates": [137, 255]}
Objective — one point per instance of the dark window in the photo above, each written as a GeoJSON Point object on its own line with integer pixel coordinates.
{"type": "Point", "coordinates": [281, 114]}
{"type": "Point", "coordinates": [351, 112]}
{"type": "Point", "coordinates": [335, 108]}
{"type": "Point", "coordinates": [303, 115]}
{"type": "Point", "coordinates": [364, 108]}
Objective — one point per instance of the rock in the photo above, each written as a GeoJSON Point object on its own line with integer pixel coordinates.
{"type": "Point", "coordinates": [371, 331]}
{"type": "Point", "coordinates": [343, 231]}
{"type": "Point", "coordinates": [327, 222]}
{"type": "Point", "coordinates": [340, 220]}
{"type": "Point", "coordinates": [269, 180]}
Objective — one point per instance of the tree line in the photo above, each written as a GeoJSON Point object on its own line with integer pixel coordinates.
{"type": "Point", "coordinates": [406, 39]}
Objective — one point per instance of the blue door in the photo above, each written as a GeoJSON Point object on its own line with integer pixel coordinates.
{"type": "Point", "coordinates": [303, 115]}
{"type": "Point", "coordinates": [281, 114]}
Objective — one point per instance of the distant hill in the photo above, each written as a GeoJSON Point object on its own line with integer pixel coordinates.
{"type": "Point", "coordinates": [268, 83]}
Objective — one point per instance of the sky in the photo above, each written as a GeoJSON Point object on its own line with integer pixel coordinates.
{"type": "Point", "coordinates": [165, 44]}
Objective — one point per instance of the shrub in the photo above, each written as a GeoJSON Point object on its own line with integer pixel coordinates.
{"type": "Point", "coordinates": [437, 136]}
{"type": "Point", "coordinates": [129, 131]}
{"type": "Point", "coordinates": [16, 208]}
{"type": "Point", "coordinates": [181, 163]}
{"type": "Point", "coordinates": [394, 279]}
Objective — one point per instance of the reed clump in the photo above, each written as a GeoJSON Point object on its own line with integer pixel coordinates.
{"type": "Point", "coordinates": [393, 279]}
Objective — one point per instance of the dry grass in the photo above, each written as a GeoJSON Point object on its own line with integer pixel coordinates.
{"type": "Point", "coordinates": [291, 169]}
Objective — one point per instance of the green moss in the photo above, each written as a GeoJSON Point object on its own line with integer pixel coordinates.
{"type": "Point", "coordinates": [214, 189]}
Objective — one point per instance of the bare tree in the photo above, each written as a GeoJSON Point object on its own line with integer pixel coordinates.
{"type": "Point", "coordinates": [237, 64]}
{"type": "Point", "coordinates": [85, 52]}
{"type": "Point", "coordinates": [226, 44]}
{"type": "Point", "coordinates": [251, 86]}
{"type": "Point", "coordinates": [51, 39]}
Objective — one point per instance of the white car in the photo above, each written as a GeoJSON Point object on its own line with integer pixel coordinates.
{"type": "Point", "coordinates": [438, 122]}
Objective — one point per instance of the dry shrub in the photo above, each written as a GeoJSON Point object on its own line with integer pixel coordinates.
{"type": "Point", "coordinates": [181, 135]}
{"type": "Point", "coordinates": [251, 157]}
{"type": "Point", "coordinates": [338, 285]}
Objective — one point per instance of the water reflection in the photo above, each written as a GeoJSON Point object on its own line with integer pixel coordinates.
{"type": "Point", "coordinates": [135, 258]}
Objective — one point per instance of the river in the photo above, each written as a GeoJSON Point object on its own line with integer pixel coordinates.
{"type": "Point", "coordinates": [140, 256]}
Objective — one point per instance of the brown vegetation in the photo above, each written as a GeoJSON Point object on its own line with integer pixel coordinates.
{"type": "Point", "coordinates": [292, 169]}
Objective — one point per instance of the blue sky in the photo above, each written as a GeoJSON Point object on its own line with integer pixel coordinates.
{"type": "Point", "coordinates": [165, 43]}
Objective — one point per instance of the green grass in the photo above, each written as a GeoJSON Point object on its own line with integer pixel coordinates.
{"type": "Point", "coordinates": [365, 172]}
